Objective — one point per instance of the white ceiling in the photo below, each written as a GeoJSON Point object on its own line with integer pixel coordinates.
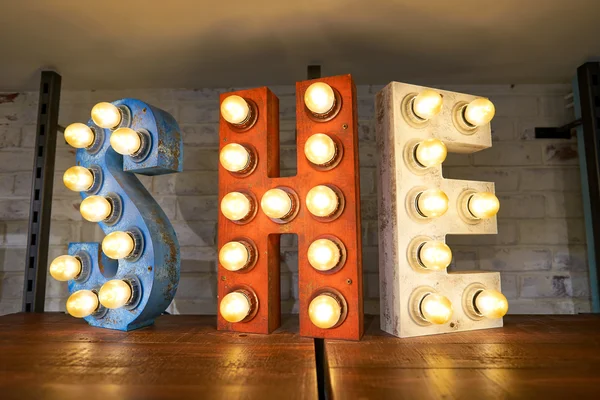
{"type": "Point", "coordinates": [105, 44]}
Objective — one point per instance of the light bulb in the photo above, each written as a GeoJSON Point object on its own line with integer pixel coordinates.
{"type": "Point", "coordinates": [276, 203]}
{"type": "Point", "coordinates": [95, 208]}
{"type": "Point", "coordinates": [234, 157]}
{"type": "Point", "coordinates": [322, 201]}
{"type": "Point", "coordinates": [319, 98]}
{"type": "Point", "coordinates": [436, 308]}
{"type": "Point", "coordinates": [234, 307]}
{"type": "Point", "coordinates": [78, 179]}
{"type": "Point", "coordinates": [82, 303]}
{"type": "Point", "coordinates": [117, 245]}
{"type": "Point", "coordinates": [435, 255]}
{"type": "Point", "coordinates": [125, 141]}
{"type": "Point", "coordinates": [235, 110]}
{"type": "Point", "coordinates": [491, 304]}
{"type": "Point", "coordinates": [106, 115]}
{"type": "Point", "coordinates": [325, 311]}
{"type": "Point", "coordinates": [235, 206]}
{"type": "Point", "coordinates": [431, 152]}
{"type": "Point", "coordinates": [320, 149]}
{"type": "Point", "coordinates": [64, 268]}
{"type": "Point", "coordinates": [432, 203]}
{"type": "Point", "coordinates": [79, 135]}
{"type": "Point", "coordinates": [427, 104]}
{"type": "Point", "coordinates": [115, 294]}
{"type": "Point", "coordinates": [323, 254]}
{"type": "Point", "coordinates": [234, 256]}
{"type": "Point", "coordinates": [483, 205]}
{"type": "Point", "coordinates": [479, 112]}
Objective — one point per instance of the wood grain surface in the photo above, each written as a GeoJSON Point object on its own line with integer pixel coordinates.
{"type": "Point", "coordinates": [545, 357]}
{"type": "Point", "coordinates": [55, 356]}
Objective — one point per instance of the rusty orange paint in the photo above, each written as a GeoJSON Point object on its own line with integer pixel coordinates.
{"type": "Point", "coordinates": [264, 277]}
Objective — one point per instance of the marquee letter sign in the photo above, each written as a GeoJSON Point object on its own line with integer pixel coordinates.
{"type": "Point", "coordinates": [320, 204]}
{"type": "Point", "coordinates": [418, 208]}
{"type": "Point", "coordinates": [131, 278]}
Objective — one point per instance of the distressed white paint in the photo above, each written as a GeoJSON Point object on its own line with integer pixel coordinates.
{"type": "Point", "coordinates": [398, 227]}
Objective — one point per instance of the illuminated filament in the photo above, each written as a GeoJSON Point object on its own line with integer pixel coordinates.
{"type": "Point", "coordinates": [430, 153]}
{"type": "Point", "coordinates": [65, 268]}
{"type": "Point", "coordinates": [483, 205]}
{"type": "Point", "coordinates": [235, 110]}
{"type": "Point", "coordinates": [234, 256]}
{"type": "Point", "coordinates": [236, 206]}
{"type": "Point", "coordinates": [319, 98]}
{"type": "Point", "coordinates": [115, 294]}
{"type": "Point", "coordinates": [324, 254]}
{"type": "Point", "coordinates": [106, 115]}
{"type": "Point", "coordinates": [82, 303]}
{"type": "Point", "coordinates": [320, 149]}
{"type": "Point", "coordinates": [491, 304]}
{"type": "Point", "coordinates": [432, 203]}
{"type": "Point", "coordinates": [322, 201]}
{"type": "Point", "coordinates": [436, 308]}
{"type": "Point", "coordinates": [434, 255]}
{"type": "Point", "coordinates": [276, 203]}
{"type": "Point", "coordinates": [235, 306]}
{"type": "Point", "coordinates": [325, 311]}
{"type": "Point", "coordinates": [427, 104]}
{"type": "Point", "coordinates": [234, 157]}
{"type": "Point", "coordinates": [95, 208]}
{"type": "Point", "coordinates": [118, 244]}
{"type": "Point", "coordinates": [79, 135]}
{"type": "Point", "coordinates": [78, 179]}
{"type": "Point", "coordinates": [479, 112]}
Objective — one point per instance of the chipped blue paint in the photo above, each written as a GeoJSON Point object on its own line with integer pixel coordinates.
{"type": "Point", "coordinates": [159, 263]}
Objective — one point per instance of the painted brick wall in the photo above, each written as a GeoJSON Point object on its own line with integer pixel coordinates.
{"type": "Point", "coordinates": [540, 248]}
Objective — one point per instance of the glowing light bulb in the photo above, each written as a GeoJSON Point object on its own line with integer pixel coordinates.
{"type": "Point", "coordinates": [79, 135]}
{"type": "Point", "coordinates": [235, 206]}
{"type": "Point", "coordinates": [435, 255]}
{"type": "Point", "coordinates": [82, 303]}
{"type": "Point", "coordinates": [106, 115]}
{"type": "Point", "coordinates": [95, 208]}
{"type": "Point", "coordinates": [323, 254]}
{"type": "Point", "coordinates": [325, 311]}
{"type": "Point", "coordinates": [235, 110]}
{"type": "Point", "coordinates": [115, 294]}
{"type": "Point", "coordinates": [431, 152]}
{"type": "Point", "coordinates": [432, 203]}
{"type": "Point", "coordinates": [276, 203]}
{"type": "Point", "coordinates": [320, 149]}
{"type": "Point", "coordinates": [436, 308]}
{"type": "Point", "coordinates": [234, 307]}
{"type": "Point", "coordinates": [117, 245]}
{"type": "Point", "coordinates": [483, 205]}
{"type": "Point", "coordinates": [322, 201]}
{"type": "Point", "coordinates": [427, 104]}
{"type": "Point", "coordinates": [319, 98]}
{"type": "Point", "coordinates": [64, 268]}
{"type": "Point", "coordinates": [234, 157]}
{"type": "Point", "coordinates": [491, 304]}
{"type": "Point", "coordinates": [234, 256]}
{"type": "Point", "coordinates": [479, 112]}
{"type": "Point", "coordinates": [125, 141]}
{"type": "Point", "coordinates": [78, 179]}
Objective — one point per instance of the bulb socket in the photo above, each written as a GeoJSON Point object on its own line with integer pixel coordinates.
{"type": "Point", "coordinates": [250, 120]}
{"type": "Point", "coordinates": [463, 208]}
{"type": "Point", "coordinates": [101, 311]}
{"type": "Point", "coordinates": [413, 254]}
{"type": "Point", "coordinates": [414, 304]}
{"type": "Point", "coordinates": [116, 209]}
{"type": "Point", "coordinates": [125, 117]}
{"type": "Point", "coordinates": [98, 179]}
{"type": "Point", "coordinates": [252, 162]}
{"type": "Point", "coordinates": [138, 244]}
{"type": "Point", "coordinates": [136, 291]}
{"type": "Point", "coordinates": [252, 298]}
{"type": "Point", "coordinates": [328, 115]}
{"type": "Point", "coordinates": [338, 297]}
{"type": "Point", "coordinates": [408, 112]}
{"type": "Point", "coordinates": [86, 266]}
{"type": "Point", "coordinates": [468, 301]}
{"type": "Point", "coordinates": [98, 140]}
{"type": "Point", "coordinates": [459, 120]}
{"type": "Point", "coordinates": [145, 146]}
{"type": "Point", "coordinates": [412, 163]}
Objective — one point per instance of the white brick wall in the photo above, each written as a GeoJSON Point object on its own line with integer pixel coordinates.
{"type": "Point", "coordinates": [540, 248]}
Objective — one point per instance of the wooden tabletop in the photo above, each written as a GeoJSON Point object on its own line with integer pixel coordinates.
{"type": "Point", "coordinates": [55, 356]}
{"type": "Point", "coordinates": [547, 357]}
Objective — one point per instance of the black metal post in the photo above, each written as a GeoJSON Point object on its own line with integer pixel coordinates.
{"type": "Point", "coordinates": [588, 77]}
{"type": "Point", "coordinates": [34, 291]}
